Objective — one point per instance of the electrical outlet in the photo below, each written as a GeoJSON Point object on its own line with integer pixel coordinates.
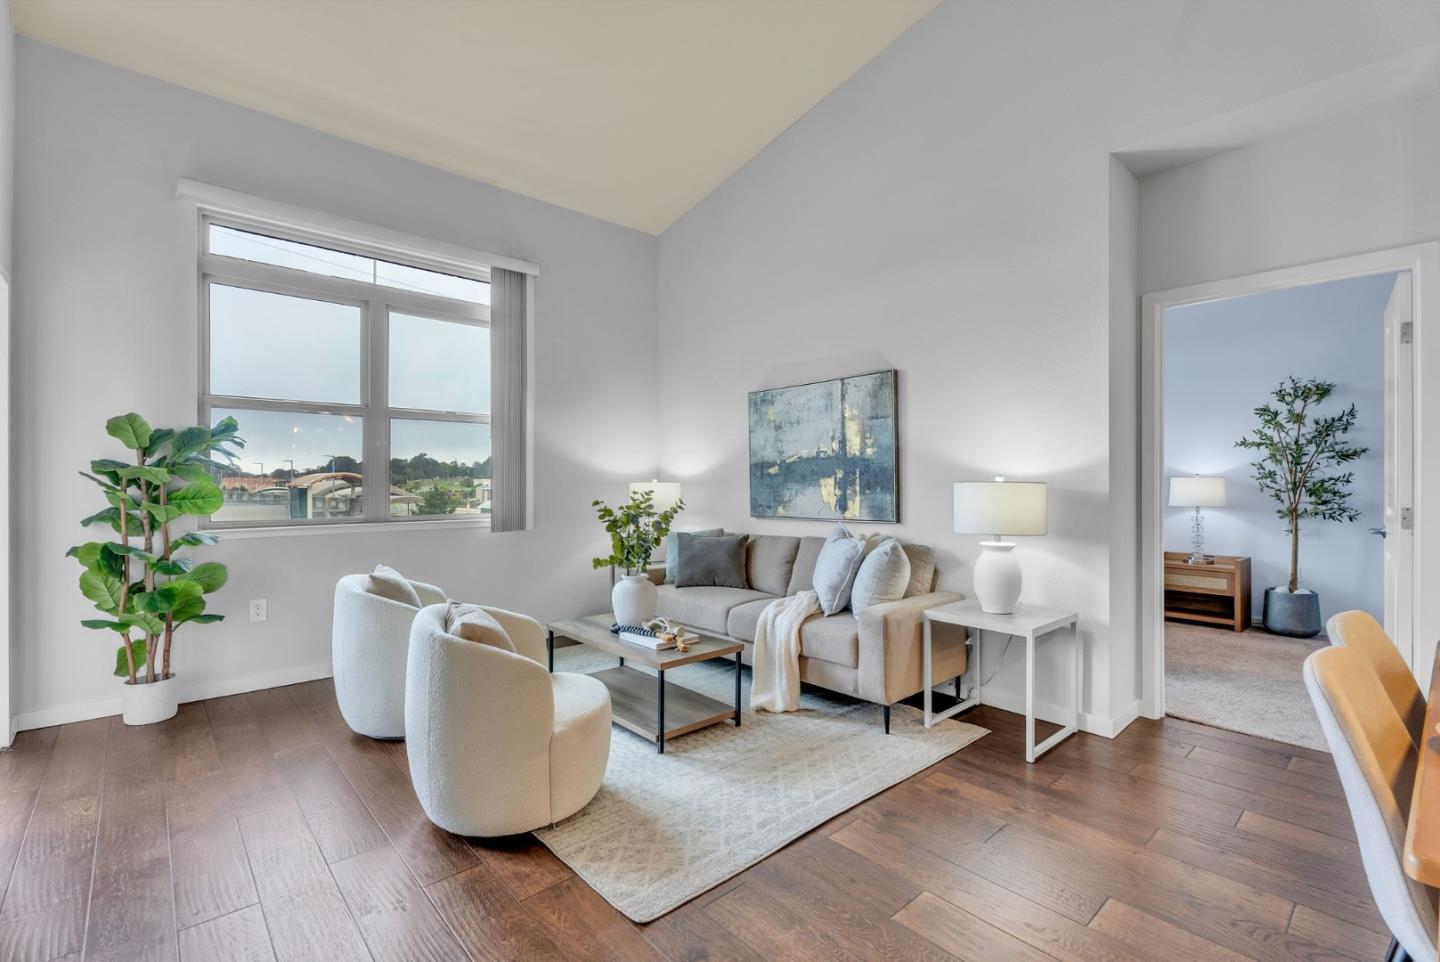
{"type": "Point", "coordinates": [258, 609]}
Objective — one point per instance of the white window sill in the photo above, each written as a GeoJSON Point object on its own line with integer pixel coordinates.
{"type": "Point", "coordinates": [363, 527]}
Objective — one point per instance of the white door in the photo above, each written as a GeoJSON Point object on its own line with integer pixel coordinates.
{"type": "Point", "coordinates": [1398, 531]}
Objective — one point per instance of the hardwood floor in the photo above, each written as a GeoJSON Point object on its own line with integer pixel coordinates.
{"type": "Point", "coordinates": [259, 827]}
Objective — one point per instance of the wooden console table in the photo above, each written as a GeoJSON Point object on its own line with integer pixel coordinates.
{"type": "Point", "coordinates": [1213, 594]}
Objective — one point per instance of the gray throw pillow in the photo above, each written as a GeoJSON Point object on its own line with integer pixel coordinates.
{"type": "Point", "coordinates": [710, 561]}
{"type": "Point", "coordinates": [672, 549]}
{"type": "Point", "coordinates": [883, 576]}
{"type": "Point", "coordinates": [836, 567]}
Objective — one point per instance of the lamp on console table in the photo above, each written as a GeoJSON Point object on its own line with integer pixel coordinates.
{"type": "Point", "coordinates": [1000, 508]}
{"type": "Point", "coordinates": [1194, 491]}
{"type": "Point", "coordinates": [664, 494]}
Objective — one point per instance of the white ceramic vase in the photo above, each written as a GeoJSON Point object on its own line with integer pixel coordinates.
{"type": "Point", "coordinates": [633, 600]}
{"type": "Point", "coordinates": [148, 704]}
{"type": "Point", "coordinates": [997, 577]}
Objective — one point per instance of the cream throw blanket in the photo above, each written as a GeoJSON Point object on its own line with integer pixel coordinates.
{"type": "Point", "coordinates": [775, 668]}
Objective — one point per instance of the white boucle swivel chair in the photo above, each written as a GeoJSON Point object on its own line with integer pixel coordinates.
{"type": "Point", "coordinates": [497, 745]}
{"type": "Point", "coordinates": [368, 642]}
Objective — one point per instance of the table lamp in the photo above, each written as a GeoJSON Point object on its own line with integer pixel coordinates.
{"type": "Point", "coordinates": [664, 494]}
{"type": "Point", "coordinates": [999, 508]}
{"type": "Point", "coordinates": [1194, 491]}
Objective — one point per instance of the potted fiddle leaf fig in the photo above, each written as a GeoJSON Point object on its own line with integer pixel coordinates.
{"type": "Point", "coordinates": [1301, 452]}
{"type": "Point", "coordinates": [141, 581]}
{"type": "Point", "coordinates": [636, 529]}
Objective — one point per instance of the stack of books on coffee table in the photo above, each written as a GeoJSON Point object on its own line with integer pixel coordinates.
{"type": "Point", "coordinates": [649, 639]}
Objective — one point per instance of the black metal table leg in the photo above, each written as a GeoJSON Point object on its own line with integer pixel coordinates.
{"type": "Point", "coordinates": [622, 661]}
{"type": "Point", "coordinates": [737, 689]}
{"type": "Point", "coordinates": [550, 647]}
{"type": "Point", "coordinates": [660, 712]}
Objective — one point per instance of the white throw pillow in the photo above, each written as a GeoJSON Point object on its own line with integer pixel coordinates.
{"type": "Point", "coordinates": [883, 576]}
{"type": "Point", "coordinates": [389, 583]}
{"type": "Point", "coordinates": [835, 569]}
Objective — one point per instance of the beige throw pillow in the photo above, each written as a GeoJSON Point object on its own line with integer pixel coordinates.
{"type": "Point", "coordinates": [883, 576]}
{"type": "Point", "coordinates": [473, 623]}
{"type": "Point", "coordinates": [389, 583]}
{"type": "Point", "coordinates": [922, 569]}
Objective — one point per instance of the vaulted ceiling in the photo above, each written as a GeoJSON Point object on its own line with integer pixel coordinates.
{"type": "Point", "coordinates": [630, 110]}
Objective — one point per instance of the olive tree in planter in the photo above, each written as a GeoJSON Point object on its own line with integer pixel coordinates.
{"type": "Point", "coordinates": [636, 529]}
{"type": "Point", "coordinates": [142, 584]}
{"type": "Point", "coordinates": [1298, 467]}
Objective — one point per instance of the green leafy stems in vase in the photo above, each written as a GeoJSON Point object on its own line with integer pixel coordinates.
{"type": "Point", "coordinates": [636, 530]}
{"type": "Point", "coordinates": [141, 584]}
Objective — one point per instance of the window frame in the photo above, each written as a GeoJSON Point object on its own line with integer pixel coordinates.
{"type": "Point", "coordinates": [376, 303]}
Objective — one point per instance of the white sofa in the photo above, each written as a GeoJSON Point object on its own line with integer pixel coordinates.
{"type": "Point", "coordinates": [497, 745]}
{"type": "Point", "coordinates": [369, 638]}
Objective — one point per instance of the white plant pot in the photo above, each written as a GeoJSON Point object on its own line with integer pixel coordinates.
{"type": "Point", "coordinates": [148, 704]}
{"type": "Point", "coordinates": [997, 577]}
{"type": "Point", "coordinates": [633, 600]}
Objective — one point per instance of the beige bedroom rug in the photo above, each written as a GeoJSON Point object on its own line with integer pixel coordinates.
{"type": "Point", "coordinates": [666, 828]}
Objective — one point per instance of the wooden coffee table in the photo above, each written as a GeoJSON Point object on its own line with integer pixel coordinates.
{"type": "Point", "coordinates": [652, 708]}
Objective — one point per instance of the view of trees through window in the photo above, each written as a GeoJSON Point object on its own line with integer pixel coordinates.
{"type": "Point", "coordinates": [288, 359]}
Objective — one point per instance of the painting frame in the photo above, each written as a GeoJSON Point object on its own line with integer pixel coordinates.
{"type": "Point", "coordinates": [882, 473]}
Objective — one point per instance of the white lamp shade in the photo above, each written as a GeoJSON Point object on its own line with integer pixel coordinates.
{"type": "Point", "coordinates": [1193, 491]}
{"type": "Point", "coordinates": [664, 493]}
{"type": "Point", "coordinates": [999, 507]}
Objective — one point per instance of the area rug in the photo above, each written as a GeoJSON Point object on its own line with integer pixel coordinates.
{"type": "Point", "coordinates": [665, 828]}
{"type": "Point", "coordinates": [1247, 681]}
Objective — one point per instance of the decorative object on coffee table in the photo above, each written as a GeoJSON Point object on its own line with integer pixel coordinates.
{"type": "Point", "coordinates": [636, 529]}
{"type": "Point", "coordinates": [653, 708]}
{"type": "Point", "coordinates": [1194, 491]}
{"type": "Point", "coordinates": [826, 450]}
{"type": "Point", "coordinates": [1298, 467]}
{"type": "Point", "coordinates": [999, 507]}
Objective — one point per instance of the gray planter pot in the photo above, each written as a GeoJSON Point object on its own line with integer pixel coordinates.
{"type": "Point", "coordinates": [1297, 615]}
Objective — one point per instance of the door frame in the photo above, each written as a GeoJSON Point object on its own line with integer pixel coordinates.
{"type": "Point", "coordinates": [1423, 261]}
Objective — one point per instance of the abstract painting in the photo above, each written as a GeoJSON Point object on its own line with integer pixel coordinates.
{"type": "Point", "coordinates": [825, 450]}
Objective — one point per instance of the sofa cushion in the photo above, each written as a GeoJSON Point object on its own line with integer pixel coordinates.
{"type": "Point", "coordinates": [802, 576]}
{"type": "Point", "coordinates": [706, 561]}
{"type": "Point", "coordinates": [672, 549]}
{"type": "Point", "coordinates": [884, 576]}
{"type": "Point", "coordinates": [835, 568]}
{"type": "Point", "coordinates": [769, 560]}
{"type": "Point", "coordinates": [386, 582]}
{"type": "Point", "coordinates": [922, 569]}
{"type": "Point", "coordinates": [705, 609]}
{"type": "Point", "coordinates": [834, 638]}
{"type": "Point", "coordinates": [741, 621]}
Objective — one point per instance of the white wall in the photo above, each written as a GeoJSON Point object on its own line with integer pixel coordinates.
{"type": "Point", "coordinates": [7, 196]}
{"type": "Point", "coordinates": [947, 211]}
{"type": "Point", "coordinates": [1222, 360]}
{"type": "Point", "coordinates": [106, 322]}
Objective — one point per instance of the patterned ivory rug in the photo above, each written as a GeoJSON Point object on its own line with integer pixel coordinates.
{"type": "Point", "coordinates": [665, 828]}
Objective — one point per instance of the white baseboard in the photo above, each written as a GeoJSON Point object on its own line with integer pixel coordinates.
{"type": "Point", "coordinates": [217, 688]}
{"type": "Point", "coordinates": [1096, 724]}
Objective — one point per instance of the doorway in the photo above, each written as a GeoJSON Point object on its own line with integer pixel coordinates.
{"type": "Point", "coordinates": [1213, 354]}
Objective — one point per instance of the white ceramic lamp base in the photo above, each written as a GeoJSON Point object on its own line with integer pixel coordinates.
{"type": "Point", "coordinates": [997, 577]}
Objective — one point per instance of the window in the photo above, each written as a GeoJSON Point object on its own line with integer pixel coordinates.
{"type": "Point", "coordinates": [351, 371]}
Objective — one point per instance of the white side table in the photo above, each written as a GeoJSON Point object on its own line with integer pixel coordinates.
{"type": "Point", "coordinates": [1028, 622]}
